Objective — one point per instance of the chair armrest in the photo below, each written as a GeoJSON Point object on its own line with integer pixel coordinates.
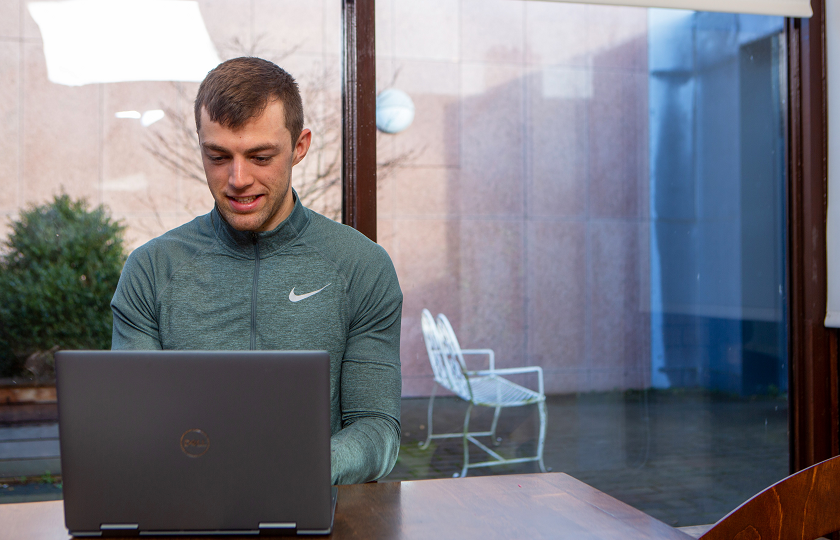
{"type": "Point", "coordinates": [488, 352]}
{"type": "Point", "coordinates": [515, 371]}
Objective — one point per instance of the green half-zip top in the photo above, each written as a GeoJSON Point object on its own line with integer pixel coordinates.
{"type": "Point", "coordinates": [256, 239]}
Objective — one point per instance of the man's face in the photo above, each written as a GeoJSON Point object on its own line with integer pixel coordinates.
{"type": "Point", "coordinates": [249, 170]}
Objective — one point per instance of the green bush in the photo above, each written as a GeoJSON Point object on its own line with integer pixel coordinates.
{"type": "Point", "coordinates": [59, 269]}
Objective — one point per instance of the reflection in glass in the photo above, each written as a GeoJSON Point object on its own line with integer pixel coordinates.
{"type": "Point", "coordinates": [147, 40]}
{"type": "Point", "coordinates": [717, 202]}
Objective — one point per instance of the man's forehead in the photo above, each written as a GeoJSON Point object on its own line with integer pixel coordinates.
{"type": "Point", "coordinates": [273, 114]}
{"type": "Point", "coordinates": [270, 122]}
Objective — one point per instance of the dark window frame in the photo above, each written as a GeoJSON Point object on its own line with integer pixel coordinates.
{"type": "Point", "coordinates": [358, 119]}
{"type": "Point", "coordinates": [814, 411]}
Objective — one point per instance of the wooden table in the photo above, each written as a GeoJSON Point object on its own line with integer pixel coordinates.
{"type": "Point", "coordinates": [552, 505]}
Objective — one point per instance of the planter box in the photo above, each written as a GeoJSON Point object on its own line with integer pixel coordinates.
{"type": "Point", "coordinates": [15, 395]}
{"type": "Point", "coordinates": [26, 403]}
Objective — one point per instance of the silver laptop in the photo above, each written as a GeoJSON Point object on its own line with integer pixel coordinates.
{"type": "Point", "coordinates": [191, 442]}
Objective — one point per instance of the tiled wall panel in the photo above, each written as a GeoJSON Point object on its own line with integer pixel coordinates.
{"type": "Point", "coordinates": [543, 194]}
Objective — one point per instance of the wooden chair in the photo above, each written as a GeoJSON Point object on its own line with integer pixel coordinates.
{"type": "Point", "coordinates": [485, 388]}
{"type": "Point", "coordinates": [803, 506]}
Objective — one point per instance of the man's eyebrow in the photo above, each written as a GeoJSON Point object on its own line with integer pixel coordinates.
{"type": "Point", "coordinates": [262, 148]}
{"type": "Point", "coordinates": [213, 147]}
{"type": "Point", "coordinates": [254, 150]}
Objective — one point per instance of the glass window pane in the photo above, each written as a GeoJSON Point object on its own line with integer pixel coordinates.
{"type": "Point", "coordinates": [598, 191]}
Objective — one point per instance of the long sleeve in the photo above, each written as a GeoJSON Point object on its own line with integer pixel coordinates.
{"type": "Point", "coordinates": [133, 306]}
{"type": "Point", "coordinates": [367, 446]}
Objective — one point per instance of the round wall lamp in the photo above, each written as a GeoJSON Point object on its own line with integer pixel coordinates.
{"type": "Point", "coordinates": [394, 111]}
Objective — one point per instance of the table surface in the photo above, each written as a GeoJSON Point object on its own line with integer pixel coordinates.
{"type": "Point", "coordinates": [552, 505]}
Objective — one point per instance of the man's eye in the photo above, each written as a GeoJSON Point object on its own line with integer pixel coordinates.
{"type": "Point", "coordinates": [262, 159]}
{"type": "Point", "coordinates": [216, 159]}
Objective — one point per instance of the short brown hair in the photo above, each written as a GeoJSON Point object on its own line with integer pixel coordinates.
{"type": "Point", "coordinates": [240, 89]}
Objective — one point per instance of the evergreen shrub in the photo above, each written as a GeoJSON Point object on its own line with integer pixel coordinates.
{"type": "Point", "coordinates": [58, 271]}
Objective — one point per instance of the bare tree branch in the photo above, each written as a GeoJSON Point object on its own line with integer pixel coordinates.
{"type": "Point", "coordinates": [317, 178]}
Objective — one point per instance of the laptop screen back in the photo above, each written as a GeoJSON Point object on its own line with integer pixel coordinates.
{"type": "Point", "coordinates": [157, 441]}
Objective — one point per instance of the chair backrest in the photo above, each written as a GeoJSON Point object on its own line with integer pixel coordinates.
{"type": "Point", "coordinates": [432, 341]}
{"type": "Point", "coordinates": [448, 370]}
{"type": "Point", "coordinates": [453, 358]}
{"type": "Point", "coordinates": [805, 506]}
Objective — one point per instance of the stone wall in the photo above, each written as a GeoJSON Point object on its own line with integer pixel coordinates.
{"type": "Point", "coordinates": [523, 213]}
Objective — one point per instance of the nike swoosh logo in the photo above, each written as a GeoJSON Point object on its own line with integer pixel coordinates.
{"type": "Point", "coordinates": [298, 297]}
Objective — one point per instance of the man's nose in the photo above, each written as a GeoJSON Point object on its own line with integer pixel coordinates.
{"type": "Point", "coordinates": [239, 177]}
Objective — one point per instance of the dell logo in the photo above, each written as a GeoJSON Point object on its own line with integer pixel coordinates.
{"type": "Point", "coordinates": [195, 442]}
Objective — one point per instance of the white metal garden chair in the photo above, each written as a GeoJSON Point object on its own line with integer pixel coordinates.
{"type": "Point", "coordinates": [486, 388]}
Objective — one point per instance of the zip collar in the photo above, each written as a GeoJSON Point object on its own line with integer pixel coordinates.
{"type": "Point", "coordinates": [271, 242]}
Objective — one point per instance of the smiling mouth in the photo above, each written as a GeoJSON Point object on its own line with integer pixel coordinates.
{"type": "Point", "coordinates": [244, 200]}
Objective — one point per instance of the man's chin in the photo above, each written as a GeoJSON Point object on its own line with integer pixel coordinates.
{"type": "Point", "coordinates": [243, 222]}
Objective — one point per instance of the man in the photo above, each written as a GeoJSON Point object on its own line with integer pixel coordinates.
{"type": "Point", "coordinates": [261, 271]}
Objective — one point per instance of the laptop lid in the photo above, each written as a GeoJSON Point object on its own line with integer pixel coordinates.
{"type": "Point", "coordinates": [195, 441]}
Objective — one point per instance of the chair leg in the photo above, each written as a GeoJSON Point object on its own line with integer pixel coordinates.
{"type": "Point", "coordinates": [466, 442]}
{"type": "Point", "coordinates": [429, 418]}
{"type": "Point", "coordinates": [493, 438]}
{"type": "Point", "coordinates": [541, 443]}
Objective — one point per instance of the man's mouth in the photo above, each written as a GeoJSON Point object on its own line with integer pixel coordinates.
{"type": "Point", "coordinates": [244, 200]}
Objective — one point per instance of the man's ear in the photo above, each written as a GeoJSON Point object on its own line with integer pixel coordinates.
{"type": "Point", "coordinates": [302, 145]}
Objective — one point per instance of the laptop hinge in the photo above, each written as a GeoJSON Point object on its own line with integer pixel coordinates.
{"type": "Point", "coordinates": [317, 532]}
{"type": "Point", "coordinates": [279, 528]}
{"type": "Point", "coordinates": [120, 529]}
